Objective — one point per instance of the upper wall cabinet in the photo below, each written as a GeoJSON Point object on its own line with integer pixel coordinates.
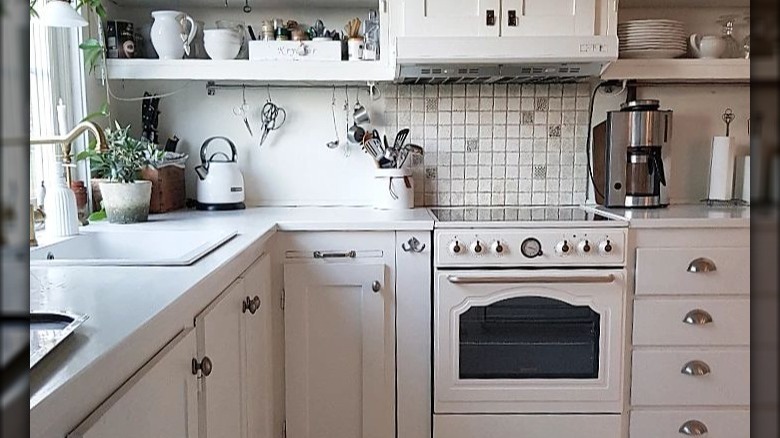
{"type": "Point", "coordinates": [465, 18]}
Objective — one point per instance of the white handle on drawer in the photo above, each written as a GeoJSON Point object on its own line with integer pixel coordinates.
{"type": "Point", "coordinates": [693, 428]}
{"type": "Point", "coordinates": [695, 368]}
{"type": "Point", "coordinates": [702, 264]}
{"type": "Point", "coordinates": [697, 317]}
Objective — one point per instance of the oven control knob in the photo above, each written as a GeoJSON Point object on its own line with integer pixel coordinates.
{"type": "Point", "coordinates": [456, 248]}
{"type": "Point", "coordinates": [477, 247]}
{"type": "Point", "coordinates": [563, 248]}
{"type": "Point", "coordinates": [584, 247]}
{"type": "Point", "coordinates": [605, 247]}
{"type": "Point", "coordinates": [498, 247]}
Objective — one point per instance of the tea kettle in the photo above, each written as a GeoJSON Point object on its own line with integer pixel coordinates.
{"type": "Point", "coordinates": [220, 182]}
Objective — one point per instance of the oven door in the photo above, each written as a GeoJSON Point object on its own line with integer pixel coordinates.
{"type": "Point", "coordinates": [528, 341]}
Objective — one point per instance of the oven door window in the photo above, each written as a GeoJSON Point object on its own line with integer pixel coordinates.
{"type": "Point", "coordinates": [529, 338]}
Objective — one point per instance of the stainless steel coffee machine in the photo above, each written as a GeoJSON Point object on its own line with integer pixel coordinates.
{"type": "Point", "coordinates": [636, 156]}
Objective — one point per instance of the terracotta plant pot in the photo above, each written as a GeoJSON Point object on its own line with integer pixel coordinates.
{"type": "Point", "coordinates": [126, 203]}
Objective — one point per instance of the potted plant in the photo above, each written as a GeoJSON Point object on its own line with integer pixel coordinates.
{"type": "Point", "coordinates": [125, 196]}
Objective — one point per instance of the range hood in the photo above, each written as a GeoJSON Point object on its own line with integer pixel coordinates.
{"type": "Point", "coordinates": [450, 60]}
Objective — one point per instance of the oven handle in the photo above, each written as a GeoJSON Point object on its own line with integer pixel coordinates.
{"type": "Point", "coordinates": [591, 279]}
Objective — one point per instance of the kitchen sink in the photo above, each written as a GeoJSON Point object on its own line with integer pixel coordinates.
{"type": "Point", "coordinates": [130, 248]}
{"type": "Point", "coordinates": [49, 329]}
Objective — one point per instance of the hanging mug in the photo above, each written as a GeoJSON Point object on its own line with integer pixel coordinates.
{"type": "Point", "coordinates": [169, 36]}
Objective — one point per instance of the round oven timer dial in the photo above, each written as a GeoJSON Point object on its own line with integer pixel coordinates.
{"type": "Point", "coordinates": [531, 248]}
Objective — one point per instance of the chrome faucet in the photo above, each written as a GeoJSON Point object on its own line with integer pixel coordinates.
{"type": "Point", "coordinates": [65, 142]}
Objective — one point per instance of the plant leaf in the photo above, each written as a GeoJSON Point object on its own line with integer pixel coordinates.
{"type": "Point", "coordinates": [99, 215]}
{"type": "Point", "coordinates": [102, 112]}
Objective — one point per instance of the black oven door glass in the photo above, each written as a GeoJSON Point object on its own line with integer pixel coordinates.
{"type": "Point", "coordinates": [529, 338]}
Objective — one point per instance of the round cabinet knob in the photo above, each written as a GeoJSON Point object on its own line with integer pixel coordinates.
{"type": "Point", "coordinates": [477, 247]}
{"type": "Point", "coordinates": [456, 248]}
{"type": "Point", "coordinates": [605, 247]}
{"type": "Point", "coordinates": [563, 248]}
{"type": "Point", "coordinates": [498, 247]}
{"type": "Point", "coordinates": [584, 247]}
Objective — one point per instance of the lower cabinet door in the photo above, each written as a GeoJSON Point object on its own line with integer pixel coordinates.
{"type": "Point", "coordinates": [221, 329]}
{"type": "Point", "coordinates": [526, 426]}
{"type": "Point", "coordinates": [159, 401]}
{"type": "Point", "coordinates": [339, 350]}
{"type": "Point", "coordinates": [680, 423]}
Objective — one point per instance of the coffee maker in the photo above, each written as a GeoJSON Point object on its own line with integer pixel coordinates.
{"type": "Point", "coordinates": [634, 159]}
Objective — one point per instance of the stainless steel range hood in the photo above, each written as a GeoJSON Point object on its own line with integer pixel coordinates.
{"type": "Point", "coordinates": [530, 73]}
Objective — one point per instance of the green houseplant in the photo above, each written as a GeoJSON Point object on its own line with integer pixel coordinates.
{"type": "Point", "coordinates": [125, 197]}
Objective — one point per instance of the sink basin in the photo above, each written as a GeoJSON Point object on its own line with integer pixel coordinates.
{"type": "Point", "coordinates": [47, 330]}
{"type": "Point", "coordinates": [130, 248]}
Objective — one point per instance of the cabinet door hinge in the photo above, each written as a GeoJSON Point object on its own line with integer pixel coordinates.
{"type": "Point", "coordinates": [281, 303]}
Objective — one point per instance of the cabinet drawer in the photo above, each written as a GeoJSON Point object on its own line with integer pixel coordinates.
{"type": "Point", "coordinates": [526, 426]}
{"type": "Point", "coordinates": [680, 271]}
{"type": "Point", "coordinates": [697, 321]}
{"type": "Point", "coordinates": [667, 424]}
{"type": "Point", "coordinates": [658, 377]}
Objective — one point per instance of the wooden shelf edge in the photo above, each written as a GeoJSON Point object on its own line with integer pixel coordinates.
{"type": "Point", "coordinates": [679, 70]}
{"type": "Point", "coordinates": [246, 70]}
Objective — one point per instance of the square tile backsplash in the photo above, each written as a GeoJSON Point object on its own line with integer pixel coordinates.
{"type": "Point", "coordinates": [493, 145]}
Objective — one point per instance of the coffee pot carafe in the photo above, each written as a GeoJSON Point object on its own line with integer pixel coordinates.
{"type": "Point", "coordinates": [636, 155]}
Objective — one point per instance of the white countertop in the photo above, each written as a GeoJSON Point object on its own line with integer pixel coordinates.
{"type": "Point", "coordinates": [134, 311]}
{"type": "Point", "coordinates": [684, 216]}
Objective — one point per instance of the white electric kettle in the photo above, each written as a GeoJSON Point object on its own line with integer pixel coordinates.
{"type": "Point", "coordinates": [220, 182]}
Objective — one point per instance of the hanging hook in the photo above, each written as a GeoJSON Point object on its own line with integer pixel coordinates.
{"type": "Point", "coordinates": [268, 91]}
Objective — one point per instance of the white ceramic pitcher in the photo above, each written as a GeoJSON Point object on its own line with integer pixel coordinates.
{"type": "Point", "coordinates": [707, 46]}
{"type": "Point", "coordinates": [169, 35]}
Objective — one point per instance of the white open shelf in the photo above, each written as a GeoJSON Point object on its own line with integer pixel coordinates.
{"type": "Point", "coordinates": [245, 70]}
{"type": "Point", "coordinates": [679, 70]}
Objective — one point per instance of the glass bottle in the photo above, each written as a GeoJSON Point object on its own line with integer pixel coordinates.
{"type": "Point", "coordinates": [746, 40]}
{"type": "Point", "coordinates": [371, 32]}
{"type": "Point", "coordinates": [733, 48]}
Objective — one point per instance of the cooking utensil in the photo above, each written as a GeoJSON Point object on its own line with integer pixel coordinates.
{"type": "Point", "coordinates": [356, 134]}
{"type": "Point", "coordinates": [728, 117]}
{"type": "Point", "coordinates": [251, 33]}
{"type": "Point", "coordinates": [334, 143]}
{"type": "Point", "coordinates": [352, 29]}
{"type": "Point", "coordinates": [400, 138]}
{"type": "Point", "coordinates": [360, 115]}
{"type": "Point", "coordinates": [318, 28]}
{"type": "Point", "coordinates": [270, 118]}
{"type": "Point", "coordinates": [247, 8]}
{"type": "Point", "coordinates": [409, 149]}
{"type": "Point", "coordinates": [243, 111]}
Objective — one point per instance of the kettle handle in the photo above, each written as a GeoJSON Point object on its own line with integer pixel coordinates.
{"type": "Point", "coordinates": [206, 143]}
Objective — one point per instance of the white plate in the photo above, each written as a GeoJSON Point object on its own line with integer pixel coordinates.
{"type": "Point", "coordinates": [651, 22]}
{"type": "Point", "coordinates": [659, 45]}
{"type": "Point", "coordinates": [677, 35]}
{"type": "Point", "coordinates": [651, 54]}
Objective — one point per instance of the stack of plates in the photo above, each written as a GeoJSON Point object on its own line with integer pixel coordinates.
{"type": "Point", "coordinates": [652, 39]}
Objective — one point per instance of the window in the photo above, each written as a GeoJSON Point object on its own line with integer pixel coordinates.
{"type": "Point", "coordinates": [56, 72]}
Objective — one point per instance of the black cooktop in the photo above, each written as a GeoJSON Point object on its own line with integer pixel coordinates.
{"type": "Point", "coordinates": [518, 214]}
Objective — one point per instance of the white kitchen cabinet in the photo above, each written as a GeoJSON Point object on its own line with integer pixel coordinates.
{"type": "Point", "coordinates": [257, 406]}
{"type": "Point", "coordinates": [438, 18]}
{"type": "Point", "coordinates": [234, 334]}
{"type": "Point", "coordinates": [493, 18]}
{"type": "Point", "coordinates": [339, 331]}
{"type": "Point", "coordinates": [220, 332]}
{"type": "Point", "coordinates": [159, 401]}
{"type": "Point", "coordinates": [548, 17]}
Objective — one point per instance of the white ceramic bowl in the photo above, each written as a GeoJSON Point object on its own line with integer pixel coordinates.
{"type": "Point", "coordinates": [222, 49]}
{"type": "Point", "coordinates": [221, 34]}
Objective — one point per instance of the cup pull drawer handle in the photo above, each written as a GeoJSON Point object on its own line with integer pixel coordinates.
{"type": "Point", "coordinates": [695, 368]}
{"type": "Point", "coordinates": [697, 317]}
{"type": "Point", "coordinates": [702, 264]}
{"type": "Point", "coordinates": [693, 428]}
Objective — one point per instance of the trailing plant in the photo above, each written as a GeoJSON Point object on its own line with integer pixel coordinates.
{"type": "Point", "coordinates": [125, 157]}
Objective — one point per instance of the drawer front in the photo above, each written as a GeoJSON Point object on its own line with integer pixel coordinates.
{"type": "Point", "coordinates": [668, 424]}
{"type": "Point", "coordinates": [526, 426]}
{"type": "Point", "coordinates": [657, 378]}
{"type": "Point", "coordinates": [681, 271]}
{"type": "Point", "coordinates": [694, 322]}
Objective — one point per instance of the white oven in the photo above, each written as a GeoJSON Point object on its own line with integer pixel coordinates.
{"type": "Point", "coordinates": [528, 341]}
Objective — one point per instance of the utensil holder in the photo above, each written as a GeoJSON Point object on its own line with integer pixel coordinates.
{"type": "Point", "coordinates": [393, 189]}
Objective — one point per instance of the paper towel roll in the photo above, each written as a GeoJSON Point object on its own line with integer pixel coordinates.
{"type": "Point", "coordinates": [722, 169]}
{"type": "Point", "coordinates": [746, 179]}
